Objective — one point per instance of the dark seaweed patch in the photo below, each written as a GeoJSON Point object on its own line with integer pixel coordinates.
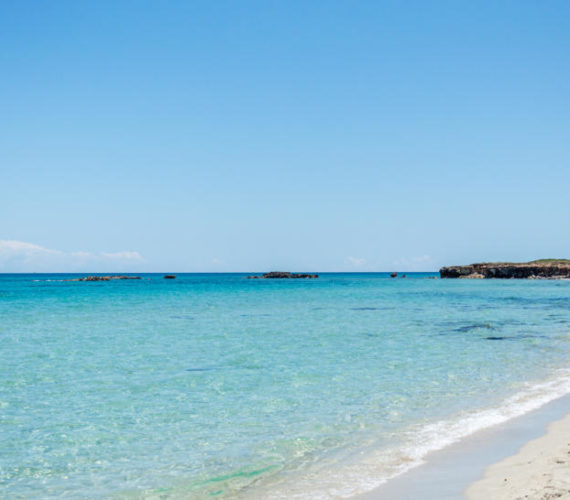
{"type": "Point", "coordinates": [545, 303]}
{"type": "Point", "coordinates": [516, 337]}
{"type": "Point", "coordinates": [475, 326]}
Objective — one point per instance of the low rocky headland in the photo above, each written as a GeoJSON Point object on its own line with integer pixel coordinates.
{"type": "Point", "coordinates": [536, 269]}
{"type": "Point", "coordinates": [280, 275]}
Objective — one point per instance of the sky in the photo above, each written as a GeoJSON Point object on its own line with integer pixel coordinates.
{"type": "Point", "coordinates": [200, 136]}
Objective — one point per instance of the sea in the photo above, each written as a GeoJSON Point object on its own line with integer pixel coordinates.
{"type": "Point", "coordinates": [218, 386]}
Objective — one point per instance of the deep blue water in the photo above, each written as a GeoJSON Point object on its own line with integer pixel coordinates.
{"type": "Point", "coordinates": [212, 385]}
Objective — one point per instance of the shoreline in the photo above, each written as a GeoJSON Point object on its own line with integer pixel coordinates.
{"type": "Point", "coordinates": [461, 451]}
{"type": "Point", "coordinates": [476, 466]}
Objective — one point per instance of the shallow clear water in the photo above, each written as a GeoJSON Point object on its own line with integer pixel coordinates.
{"type": "Point", "coordinates": [215, 385]}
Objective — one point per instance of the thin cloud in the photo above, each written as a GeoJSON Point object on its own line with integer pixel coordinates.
{"type": "Point", "coordinates": [22, 256]}
{"type": "Point", "coordinates": [11, 248]}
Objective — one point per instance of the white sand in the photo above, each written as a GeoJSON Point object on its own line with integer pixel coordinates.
{"type": "Point", "coordinates": [539, 471]}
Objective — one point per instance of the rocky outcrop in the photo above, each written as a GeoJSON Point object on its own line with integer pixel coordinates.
{"type": "Point", "coordinates": [538, 269]}
{"type": "Point", "coordinates": [280, 275]}
{"type": "Point", "coordinates": [473, 276]}
{"type": "Point", "coordinates": [170, 276]}
{"type": "Point", "coordinates": [107, 278]}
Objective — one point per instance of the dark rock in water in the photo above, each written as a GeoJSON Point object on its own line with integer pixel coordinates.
{"type": "Point", "coordinates": [403, 276]}
{"type": "Point", "coordinates": [537, 269]}
{"type": "Point", "coordinates": [107, 278]}
{"type": "Point", "coordinates": [281, 275]}
{"type": "Point", "coordinates": [278, 275]}
{"type": "Point", "coordinates": [170, 276]}
{"type": "Point", "coordinates": [393, 275]}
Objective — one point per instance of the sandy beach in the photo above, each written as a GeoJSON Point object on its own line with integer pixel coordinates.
{"type": "Point", "coordinates": [540, 470]}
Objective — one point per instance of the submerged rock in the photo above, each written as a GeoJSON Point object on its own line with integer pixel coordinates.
{"type": "Point", "coordinates": [170, 276]}
{"type": "Point", "coordinates": [393, 275]}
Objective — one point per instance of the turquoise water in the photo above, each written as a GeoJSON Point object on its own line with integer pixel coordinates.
{"type": "Point", "coordinates": [214, 386]}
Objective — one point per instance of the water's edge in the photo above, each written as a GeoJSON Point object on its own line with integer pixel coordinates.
{"type": "Point", "coordinates": [447, 473]}
{"type": "Point", "coordinates": [458, 449]}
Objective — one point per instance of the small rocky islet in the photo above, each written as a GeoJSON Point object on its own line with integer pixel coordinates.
{"type": "Point", "coordinates": [283, 275]}
{"type": "Point", "coordinates": [107, 278]}
{"type": "Point", "coordinates": [536, 269]}
{"type": "Point", "coordinates": [117, 277]}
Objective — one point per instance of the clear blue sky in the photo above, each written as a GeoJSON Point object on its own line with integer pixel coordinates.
{"type": "Point", "coordinates": [242, 136]}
